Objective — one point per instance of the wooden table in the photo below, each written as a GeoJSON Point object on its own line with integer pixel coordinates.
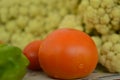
{"type": "Point", "coordinates": [39, 75]}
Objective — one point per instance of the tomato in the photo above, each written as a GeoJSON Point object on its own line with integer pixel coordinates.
{"type": "Point", "coordinates": [1, 42]}
{"type": "Point", "coordinates": [31, 52]}
{"type": "Point", "coordinates": [68, 54]}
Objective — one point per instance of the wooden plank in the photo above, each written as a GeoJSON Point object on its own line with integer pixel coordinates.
{"type": "Point", "coordinates": [39, 75]}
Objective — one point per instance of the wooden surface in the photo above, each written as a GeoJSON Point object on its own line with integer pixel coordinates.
{"type": "Point", "coordinates": [39, 75]}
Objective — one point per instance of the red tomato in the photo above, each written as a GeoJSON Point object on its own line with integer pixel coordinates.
{"type": "Point", "coordinates": [68, 54]}
{"type": "Point", "coordinates": [31, 52]}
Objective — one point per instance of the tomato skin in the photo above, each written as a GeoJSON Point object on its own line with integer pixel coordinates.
{"type": "Point", "coordinates": [68, 54]}
{"type": "Point", "coordinates": [31, 52]}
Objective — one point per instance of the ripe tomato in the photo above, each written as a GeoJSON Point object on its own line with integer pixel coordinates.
{"type": "Point", "coordinates": [68, 54]}
{"type": "Point", "coordinates": [31, 52]}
